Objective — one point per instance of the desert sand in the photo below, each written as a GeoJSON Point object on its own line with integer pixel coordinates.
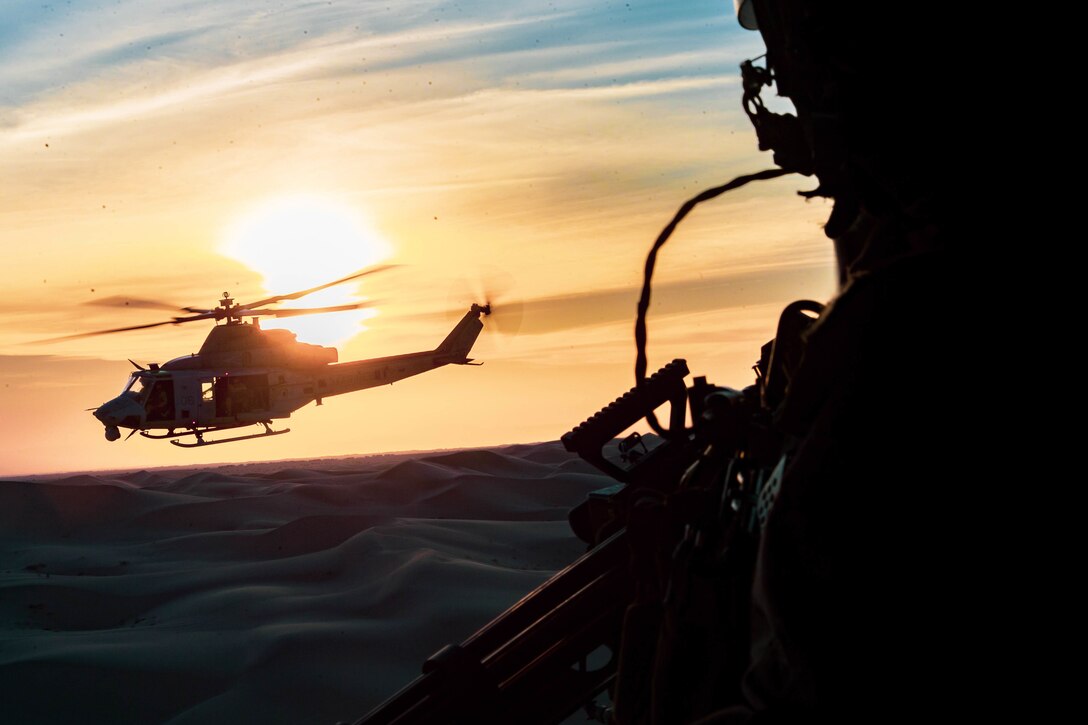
{"type": "Point", "coordinates": [302, 592]}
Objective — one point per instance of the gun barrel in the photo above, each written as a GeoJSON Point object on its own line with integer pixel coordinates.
{"type": "Point", "coordinates": [591, 435]}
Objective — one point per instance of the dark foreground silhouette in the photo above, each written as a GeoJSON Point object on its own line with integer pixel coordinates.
{"type": "Point", "coordinates": [859, 596]}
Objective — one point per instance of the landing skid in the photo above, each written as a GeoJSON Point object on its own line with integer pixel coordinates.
{"type": "Point", "coordinates": [198, 434]}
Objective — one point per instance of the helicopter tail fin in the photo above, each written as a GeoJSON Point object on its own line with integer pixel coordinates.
{"type": "Point", "coordinates": [459, 342]}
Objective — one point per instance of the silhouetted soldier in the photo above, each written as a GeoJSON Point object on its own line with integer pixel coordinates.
{"type": "Point", "coordinates": [864, 577]}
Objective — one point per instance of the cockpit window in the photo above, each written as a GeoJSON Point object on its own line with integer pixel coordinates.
{"type": "Point", "coordinates": [139, 385]}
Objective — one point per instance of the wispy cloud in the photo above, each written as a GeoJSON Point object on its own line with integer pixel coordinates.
{"type": "Point", "coordinates": [558, 313]}
{"type": "Point", "coordinates": [131, 97]}
{"type": "Point", "coordinates": [709, 61]}
{"type": "Point", "coordinates": [71, 67]}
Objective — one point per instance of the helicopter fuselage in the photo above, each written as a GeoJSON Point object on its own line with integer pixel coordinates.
{"type": "Point", "coordinates": [244, 375]}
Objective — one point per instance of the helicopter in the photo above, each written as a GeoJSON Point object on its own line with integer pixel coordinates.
{"type": "Point", "coordinates": [244, 375]}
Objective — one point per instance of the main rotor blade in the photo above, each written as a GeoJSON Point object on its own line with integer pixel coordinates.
{"type": "Point", "coordinates": [303, 293]}
{"type": "Point", "coordinates": [175, 321]}
{"type": "Point", "coordinates": [100, 332]}
{"type": "Point", "coordinates": [308, 310]}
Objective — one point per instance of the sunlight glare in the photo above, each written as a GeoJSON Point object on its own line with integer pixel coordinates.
{"type": "Point", "coordinates": [298, 242]}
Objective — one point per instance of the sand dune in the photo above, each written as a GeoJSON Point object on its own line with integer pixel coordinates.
{"type": "Point", "coordinates": [290, 593]}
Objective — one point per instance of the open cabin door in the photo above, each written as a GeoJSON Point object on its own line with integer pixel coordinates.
{"type": "Point", "coordinates": [235, 395]}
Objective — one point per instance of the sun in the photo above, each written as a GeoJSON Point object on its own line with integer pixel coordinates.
{"type": "Point", "coordinates": [295, 242]}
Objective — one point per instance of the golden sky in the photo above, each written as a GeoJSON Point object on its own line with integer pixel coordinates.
{"type": "Point", "coordinates": [530, 150]}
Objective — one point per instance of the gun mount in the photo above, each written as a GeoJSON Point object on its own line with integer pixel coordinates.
{"type": "Point", "coordinates": [541, 659]}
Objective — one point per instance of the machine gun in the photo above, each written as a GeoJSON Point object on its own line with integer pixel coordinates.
{"type": "Point", "coordinates": [704, 488]}
{"type": "Point", "coordinates": [673, 542]}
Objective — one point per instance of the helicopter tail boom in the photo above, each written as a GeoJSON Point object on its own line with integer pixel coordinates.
{"type": "Point", "coordinates": [347, 377]}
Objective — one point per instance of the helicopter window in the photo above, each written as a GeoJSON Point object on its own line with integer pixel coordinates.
{"type": "Point", "coordinates": [207, 390]}
{"type": "Point", "coordinates": [140, 386]}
